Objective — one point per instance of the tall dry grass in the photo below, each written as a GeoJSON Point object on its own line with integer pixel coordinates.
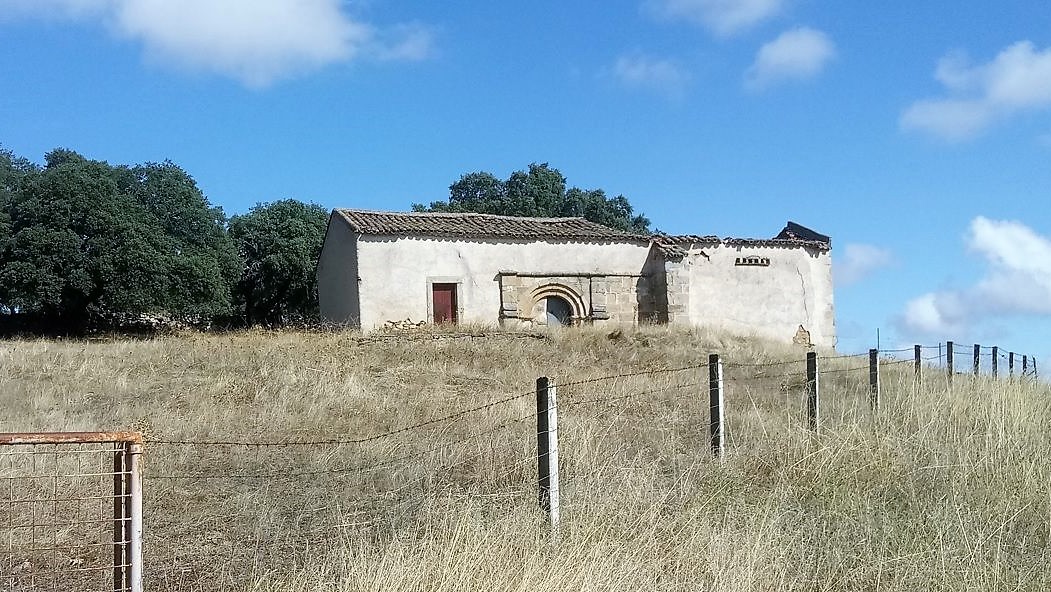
{"type": "Point", "coordinates": [941, 490]}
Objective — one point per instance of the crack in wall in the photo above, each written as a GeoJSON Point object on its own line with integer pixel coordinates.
{"type": "Point", "coordinates": [802, 285]}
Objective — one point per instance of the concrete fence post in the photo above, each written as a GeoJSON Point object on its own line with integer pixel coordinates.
{"type": "Point", "coordinates": [812, 392]}
{"type": "Point", "coordinates": [715, 404]}
{"type": "Point", "coordinates": [874, 387]}
{"type": "Point", "coordinates": [917, 354]}
{"type": "Point", "coordinates": [948, 361]}
{"type": "Point", "coordinates": [547, 451]}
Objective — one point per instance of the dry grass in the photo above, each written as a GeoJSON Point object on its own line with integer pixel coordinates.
{"type": "Point", "coordinates": [941, 491]}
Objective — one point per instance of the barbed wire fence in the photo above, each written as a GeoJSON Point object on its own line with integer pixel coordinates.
{"type": "Point", "coordinates": [221, 509]}
{"type": "Point", "coordinates": [311, 495]}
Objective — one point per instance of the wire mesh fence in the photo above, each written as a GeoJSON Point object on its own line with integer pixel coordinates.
{"type": "Point", "coordinates": [71, 512]}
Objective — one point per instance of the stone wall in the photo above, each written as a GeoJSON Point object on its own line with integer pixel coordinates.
{"type": "Point", "coordinates": [611, 299]}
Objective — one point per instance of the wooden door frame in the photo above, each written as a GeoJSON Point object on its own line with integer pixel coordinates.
{"type": "Point", "coordinates": [459, 296]}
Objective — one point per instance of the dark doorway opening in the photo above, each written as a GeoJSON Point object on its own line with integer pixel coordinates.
{"type": "Point", "coordinates": [443, 303]}
{"type": "Point", "coordinates": [559, 312]}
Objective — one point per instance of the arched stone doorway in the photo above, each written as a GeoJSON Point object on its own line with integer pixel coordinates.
{"type": "Point", "coordinates": [557, 305]}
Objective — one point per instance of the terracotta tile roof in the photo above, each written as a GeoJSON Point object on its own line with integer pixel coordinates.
{"type": "Point", "coordinates": [469, 225]}
{"type": "Point", "coordinates": [793, 235]}
{"type": "Point", "coordinates": [688, 239]}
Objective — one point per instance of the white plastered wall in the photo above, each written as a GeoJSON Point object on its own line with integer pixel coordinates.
{"type": "Point", "coordinates": [769, 301]}
{"type": "Point", "coordinates": [396, 273]}
{"type": "Point", "coordinates": [337, 275]}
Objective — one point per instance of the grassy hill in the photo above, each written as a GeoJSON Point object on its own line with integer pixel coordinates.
{"type": "Point", "coordinates": [372, 489]}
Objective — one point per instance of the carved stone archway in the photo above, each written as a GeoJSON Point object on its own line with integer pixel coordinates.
{"type": "Point", "coordinates": [538, 296]}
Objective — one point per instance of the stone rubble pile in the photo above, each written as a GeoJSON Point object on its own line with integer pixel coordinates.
{"type": "Point", "coordinates": [406, 325]}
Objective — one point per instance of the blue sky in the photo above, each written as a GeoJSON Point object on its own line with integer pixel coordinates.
{"type": "Point", "coordinates": [917, 134]}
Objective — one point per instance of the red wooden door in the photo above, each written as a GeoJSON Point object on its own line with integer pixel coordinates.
{"type": "Point", "coordinates": [443, 299]}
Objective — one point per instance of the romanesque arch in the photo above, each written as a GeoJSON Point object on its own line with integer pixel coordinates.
{"type": "Point", "coordinates": [539, 295]}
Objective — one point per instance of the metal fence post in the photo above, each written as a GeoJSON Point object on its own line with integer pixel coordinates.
{"type": "Point", "coordinates": [715, 403]}
{"type": "Point", "coordinates": [812, 386]}
{"type": "Point", "coordinates": [547, 451]}
{"type": "Point", "coordinates": [121, 517]}
{"type": "Point", "coordinates": [1025, 366]}
{"type": "Point", "coordinates": [135, 524]}
{"type": "Point", "coordinates": [1010, 364]}
{"type": "Point", "coordinates": [996, 361]}
{"type": "Point", "coordinates": [977, 359]}
{"type": "Point", "coordinates": [874, 387]}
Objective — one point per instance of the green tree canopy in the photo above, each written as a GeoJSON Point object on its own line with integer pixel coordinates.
{"type": "Point", "coordinates": [13, 171]}
{"type": "Point", "coordinates": [87, 238]}
{"type": "Point", "coordinates": [280, 243]}
{"type": "Point", "coordinates": [204, 263]}
{"type": "Point", "coordinates": [540, 191]}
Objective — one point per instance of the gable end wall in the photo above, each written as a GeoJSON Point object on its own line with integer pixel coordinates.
{"type": "Point", "coordinates": [337, 276]}
{"type": "Point", "coordinates": [791, 288]}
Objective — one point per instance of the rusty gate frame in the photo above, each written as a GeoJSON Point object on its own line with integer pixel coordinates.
{"type": "Point", "coordinates": [127, 494]}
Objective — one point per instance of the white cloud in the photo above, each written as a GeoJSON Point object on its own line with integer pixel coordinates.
{"type": "Point", "coordinates": [859, 261]}
{"type": "Point", "coordinates": [408, 42]}
{"type": "Point", "coordinates": [645, 72]}
{"type": "Point", "coordinates": [939, 314]}
{"type": "Point", "coordinates": [797, 54]}
{"type": "Point", "coordinates": [1017, 80]}
{"type": "Point", "coordinates": [254, 42]}
{"type": "Point", "coordinates": [722, 17]}
{"type": "Point", "coordinates": [1017, 281]}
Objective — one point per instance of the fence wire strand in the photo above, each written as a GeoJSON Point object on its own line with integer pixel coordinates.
{"type": "Point", "coordinates": [348, 441]}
